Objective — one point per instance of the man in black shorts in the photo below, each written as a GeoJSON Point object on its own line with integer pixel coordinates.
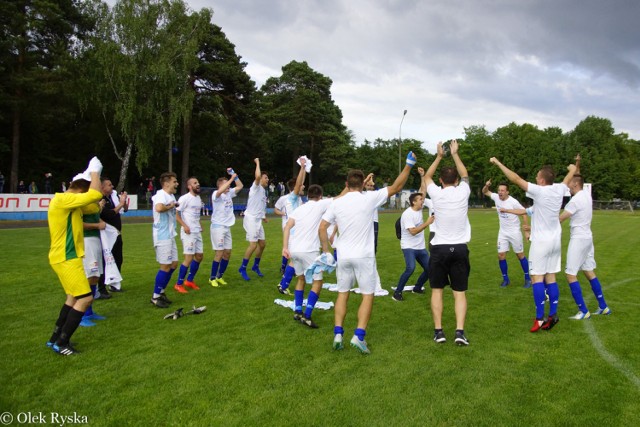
{"type": "Point", "coordinates": [449, 262]}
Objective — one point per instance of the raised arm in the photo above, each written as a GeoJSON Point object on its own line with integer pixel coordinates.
{"type": "Point", "coordinates": [486, 189]}
{"type": "Point", "coordinates": [571, 172]}
{"type": "Point", "coordinates": [423, 181]}
{"type": "Point", "coordinates": [511, 175]}
{"type": "Point", "coordinates": [258, 173]}
{"type": "Point", "coordinates": [462, 170]}
{"type": "Point", "coordinates": [401, 180]}
{"type": "Point", "coordinates": [578, 158]}
{"type": "Point", "coordinates": [301, 176]}
{"type": "Point", "coordinates": [428, 177]}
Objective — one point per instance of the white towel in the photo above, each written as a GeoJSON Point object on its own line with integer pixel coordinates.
{"type": "Point", "coordinates": [332, 287]}
{"type": "Point", "coordinates": [307, 166]}
{"type": "Point", "coordinates": [108, 238]}
{"type": "Point", "coordinates": [319, 305]}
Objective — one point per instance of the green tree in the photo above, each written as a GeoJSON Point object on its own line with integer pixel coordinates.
{"type": "Point", "coordinates": [139, 66]}
{"type": "Point", "coordinates": [38, 39]}
{"type": "Point", "coordinates": [299, 117]}
{"type": "Point", "coordinates": [222, 114]}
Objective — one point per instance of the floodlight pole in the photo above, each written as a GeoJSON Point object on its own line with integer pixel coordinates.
{"type": "Point", "coordinates": [400, 144]}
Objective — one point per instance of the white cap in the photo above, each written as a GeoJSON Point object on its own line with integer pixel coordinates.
{"type": "Point", "coordinates": [84, 176]}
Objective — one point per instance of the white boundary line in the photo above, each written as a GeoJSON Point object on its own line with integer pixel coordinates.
{"type": "Point", "coordinates": [602, 351]}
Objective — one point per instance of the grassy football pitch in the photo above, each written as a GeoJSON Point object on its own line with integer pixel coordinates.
{"type": "Point", "coordinates": [245, 361]}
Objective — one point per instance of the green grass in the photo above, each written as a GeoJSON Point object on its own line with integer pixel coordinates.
{"type": "Point", "coordinates": [245, 362]}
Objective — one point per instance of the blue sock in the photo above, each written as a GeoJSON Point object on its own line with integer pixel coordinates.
{"type": "Point", "coordinates": [360, 333]}
{"type": "Point", "coordinates": [160, 282]}
{"type": "Point", "coordinates": [597, 291]}
{"type": "Point", "coordinates": [312, 298]}
{"type": "Point", "coordinates": [168, 278]}
{"type": "Point", "coordinates": [256, 262]}
{"type": "Point", "coordinates": [298, 296]}
{"type": "Point", "coordinates": [554, 294]}
{"type": "Point", "coordinates": [288, 276]}
{"type": "Point", "coordinates": [181, 273]}
{"type": "Point", "coordinates": [284, 263]}
{"type": "Point", "coordinates": [223, 266]}
{"type": "Point", "coordinates": [504, 269]}
{"type": "Point", "coordinates": [245, 262]}
{"type": "Point", "coordinates": [539, 299]}
{"type": "Point", "coordinates": [193, 269]}
{"type": "Point", "coordinates": [214, 269]}
{"type": "Point", "coordinates": [524, 262]}
{"type": "Point", "coordinates": [577, 296]}
{"type": "Point", "coordinates": [338, 330]}
{"type": "Point", "coordinates": [89, 310]}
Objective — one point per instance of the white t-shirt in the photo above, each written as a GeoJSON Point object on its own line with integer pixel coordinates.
{"type": "Point", "coordinates": [509, 223]}
{"type": "Point", "coordinates": [352, 213]}
{"type": "Point", "coordinates": [164, 223]}
{"type": "Point", "coordinates": [545, 224]}
{"type": "Point", "coordinates": [411, 219]}
{"type": "Point", "coordinates": [189, 207]}
{"type": "Point", "coordinates": [222, 208]}
{"type": "Point", "coordinates": [581, 208]}
{"type": "Point", "coordinates": [287, 204]}
{"type": "Point", "coordinates": [451, 205]}
{"type": "Point", "coordinates": [307, 219]}
{"type": "Point", "coordinates": [428, 204]}
{"type": "Point", "coordinates": [257, 201]}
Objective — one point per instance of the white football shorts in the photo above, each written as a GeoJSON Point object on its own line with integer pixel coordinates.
{"type": "Point", "coordinates": [191, 243]}
{"type": "Point", "coordinates": [580, 256]}
{"type": "Point", "coordinates": [360, 270]}
{"type": "Point", "coordinates": [544, 257]}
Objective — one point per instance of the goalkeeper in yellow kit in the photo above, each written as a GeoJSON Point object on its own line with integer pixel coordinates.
{"type": "Point", "coordinates": [67, 251]}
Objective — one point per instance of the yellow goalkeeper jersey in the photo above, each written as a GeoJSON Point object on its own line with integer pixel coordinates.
{"type": "Point", "coordinates": [65, 224]}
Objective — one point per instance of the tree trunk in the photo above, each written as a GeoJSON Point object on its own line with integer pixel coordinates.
{"type": "Point", "coordinates": [15, 151]}
{"type": "Point", "coordinates": [186, 148]}
{"type": "Point", "coordinates": [124, 168]}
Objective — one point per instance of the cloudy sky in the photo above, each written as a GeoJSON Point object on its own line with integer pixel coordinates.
{"type": "Point", "coordinates": [451, 63]}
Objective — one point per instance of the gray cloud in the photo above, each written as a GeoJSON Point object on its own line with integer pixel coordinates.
{"type": "Point", "coordinates": [453, 63]}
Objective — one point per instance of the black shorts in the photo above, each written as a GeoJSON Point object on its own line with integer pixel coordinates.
{"type": "Point", "coordinates": [449, 264]}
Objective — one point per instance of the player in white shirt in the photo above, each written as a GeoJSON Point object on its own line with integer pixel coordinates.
{"type": "Point", "coordinates": [369, 185]}
{"type": "Point", "coordinates": [303, 247]}
{"type": "Point", "coordinates": [222, 219]}
{"type": "Point", "coordinates": [580, 253]}
{"type": "Point", "coordinates": [284, 207]}
{"type": "Point", "coordinates": [252, 222]}
{"type": "Point", "coordinates": [546, 235]}
{"type": "Point", "coordinates": [413, 245]}
{"type": "Point", "coordinates": [509, 234]}
{"type": "Point", "coordinates": [449, 261]}
{"type": "Point", "coordinates": [164, 236]}
{"type": "Point", "coordinates": [352, 214]}
{"type": "Point", "coordinates": [188, 216]}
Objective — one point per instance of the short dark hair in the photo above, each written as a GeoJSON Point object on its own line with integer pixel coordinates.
{"type": "Point", "coordinates": [413, 197]}
{"type": "Point", "coordinates": [166, 177]}
{"type": "Point", "coordinates": [80, 184]}
{"type": "Point", "coordinates": [578, 179]}
{"type": "Point", "coordinates": [448, 175]}
{"type": "Point", "coordinates": [315, 191]}
{"type": "Point", "coordinates": [505, 184]}
{"type": "Point", "coordinates": [291, 184]}
{"type": "Point", "coordinates": [104, 178]}
{"type": "Point", "coordinates": [548, 174]}
{"type": "Point", "coordinates": [355, 178]}
{"type": "Point", "coordinates": [220, 181]}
